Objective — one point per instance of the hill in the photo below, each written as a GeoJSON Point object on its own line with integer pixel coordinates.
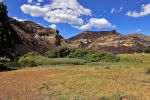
{"type": "Point", "coordinates": [33, 37]}
{"type": "Point", "coordinates": [108, 40]}
{"type": "Point", "coordinates": [25, 36]}
{"type": "Point", "coordinates": [142, 36]}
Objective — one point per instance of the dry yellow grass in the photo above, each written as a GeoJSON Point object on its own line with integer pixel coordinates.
{"type": "Point", "coordinates": [94, 83]}
{"type": "Point", "coordinates": [76, 83]}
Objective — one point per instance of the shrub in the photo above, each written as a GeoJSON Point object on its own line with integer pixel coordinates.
{"type": "Point", "coordinates": [101, 56]}
{"type": "Point", "coordinates": [147, 50]}
{"type": "Point", "coordinates": [33, 59]}
{"type": "Point", "coordinates": [77, 53]}
{"type": "Point", "coordinates": [4, 59]}
{"type": "Point", "coordinates": [59, 52]}
{"type": "Point", "coordinates": [51, 54]}
{"type": "Point", "coordinates": [93, 56]}
{"type": "Point", "coordinates": [29, 59]}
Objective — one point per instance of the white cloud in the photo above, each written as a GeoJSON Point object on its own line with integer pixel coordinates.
{"type": "Point", "coordinates": [120, 9]}
{"type": "Point", "coordinates": [1, 0]}
{"type": "Point", "coordinates": [53, 26]}
{"type": "Point", "coordinates": [40, 0]}
{"type": "Point", "coordinates": [114, 27]}
{"type": "Point", "coordinates": [59, 11]}
{"type": "Point", "coordinates": [29, 1]}
{"type": "Point", "coordinates": [96, 23]}
{"type": "Point", "coordinates": [145, 10]}
{"type": "Point", "coordinates": [113, 10]}
{"type": "Point", "coordinates": [138, 30]}
{"type": "Point", "coordinates": [19, 19]}
{"type": "Point", "coordinates": [34, 10]}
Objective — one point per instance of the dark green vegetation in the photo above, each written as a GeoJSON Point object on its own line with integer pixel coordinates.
{"type": "Point", "coordinates": [7, 38]}
{"type": "Point", "coordinates": [91, 55]}
{"type": "Point", "coordinates": [147, 50]}
{"type": "Point", "coordinates": [74, 56]}
{"type": "Point", "coordinates": [66, 55]}
{"type": "Point", "coordinates": [33, 59]}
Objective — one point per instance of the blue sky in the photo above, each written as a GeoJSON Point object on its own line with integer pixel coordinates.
{"type": "Point", "coordinates": [72, 17]}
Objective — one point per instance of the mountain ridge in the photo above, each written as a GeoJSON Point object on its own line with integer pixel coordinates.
{"type": "Point", "coordinates": [108, 40]}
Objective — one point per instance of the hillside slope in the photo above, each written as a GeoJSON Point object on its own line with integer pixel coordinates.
{"type": "Point", "coordinates": [108, 40]}
{"type": "Point", "coordinates": [142, 36]}
{"type": "Point", "coordinates": [33, 37]}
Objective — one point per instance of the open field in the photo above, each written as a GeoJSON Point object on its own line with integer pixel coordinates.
{"type": "Point", "coordinates": [75, 83]}
{"type": "Point", "coordinates": [93, 81]}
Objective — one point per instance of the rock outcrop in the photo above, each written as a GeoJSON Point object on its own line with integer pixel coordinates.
{"type": "Point", "coordinates": [108, 40]}
{"type": "Point", "coordinates": [33, 37]}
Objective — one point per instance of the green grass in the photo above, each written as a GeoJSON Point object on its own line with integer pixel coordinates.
{"type": "Point", "coordinates": [140, 58]}
{"type": "Point", "coordinates": [41, 60]}
{"type": "Point", "coordinates": [99, 80]}
{"type": "Point", "coordinates": [98, 83]}
{"type": "Point", "coordinates": [64, 61]}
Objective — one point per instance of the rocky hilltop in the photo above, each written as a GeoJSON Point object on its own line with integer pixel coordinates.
{"type": "Point", "coordinates": [108, 40]}
{"type": "Point", "coordinates": [33, 37]}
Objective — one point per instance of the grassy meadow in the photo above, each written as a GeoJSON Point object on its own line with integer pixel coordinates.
{"type": "Point", "coordinates": [79, 79]}
{"type": "Point", "coordinates": [128, 79]}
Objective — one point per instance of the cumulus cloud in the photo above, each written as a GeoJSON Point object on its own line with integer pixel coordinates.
{"type": "Point", "coordinates": [29, 1]}
{"type": "Point", "coordinates": [53, 26]}
{"type": "Point", "coordinates": [59, 11]}
{"type": "Point", "coordinates": [62, 11]}
{"type": "Point", "coordinates": [19, 19]}
{"type": "Point", "coordinates": [145, 10]}
{"type": "Point", "coordinates": [34, 10]}
{"type": "Point", "coordinates": [96, 23]}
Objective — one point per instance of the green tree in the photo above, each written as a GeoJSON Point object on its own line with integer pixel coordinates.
{"type": "Point", "coordinates": [7, 34]}
{"type": "Point", "coordinates": [7, 37]}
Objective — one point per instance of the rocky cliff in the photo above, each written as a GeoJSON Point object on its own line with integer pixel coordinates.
{"type": "Point", "coordinates": [33, 37]}
{"type": "Point", "coordinates": [108, 40]}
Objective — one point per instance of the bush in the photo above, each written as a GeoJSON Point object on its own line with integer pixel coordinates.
{"type": "Point", "coordinates": [101, 56]}
{"type": "Point", "coordinates": [59, 52]}
{"type": "Point", "coordinates": [92, 56]}
{"type": "Point", "coordinates": [4, 59]}
{"type": "Point", "coordinates": [29, 59]}
{"type": "Point", "coordinates": [147, 50]}
{"type": "Point", "coordinates": [77, 53]}
{"type": "Point", "coordinates": [33, 59]}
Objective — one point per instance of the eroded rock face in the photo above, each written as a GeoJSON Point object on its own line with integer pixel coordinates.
{"type": "Point", "coordinates": [108, 40]}
{"type": "Point", "coordinates": [33, 37]}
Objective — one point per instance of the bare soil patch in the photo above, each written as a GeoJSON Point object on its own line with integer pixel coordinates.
{"type": "Point", "coordinates": [19, 85]}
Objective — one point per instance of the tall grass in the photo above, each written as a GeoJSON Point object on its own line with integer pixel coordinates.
{"type": "Point", "coordinates": [36, 60]}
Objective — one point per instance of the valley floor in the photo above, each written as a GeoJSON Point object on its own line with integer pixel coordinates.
{"type": "Point", "coordinates": [75, 83]}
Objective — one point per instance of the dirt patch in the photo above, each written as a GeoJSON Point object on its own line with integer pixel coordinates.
{"type": "Point", "coordinates": [19, 85]}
